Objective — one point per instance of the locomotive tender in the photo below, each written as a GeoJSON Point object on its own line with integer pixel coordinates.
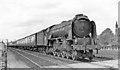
{"type": "Point", "coordinates": [74, 39]}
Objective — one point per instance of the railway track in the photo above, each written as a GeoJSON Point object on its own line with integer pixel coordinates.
{"type": "Point", "coordinates": [96, 59]}
{"type": "Point", "coordinates": [34, 63]}
{"type": "Point", "coordinates": [31, 57]}
{"type": "Point", "coordinates": [57, 61]}
{"type": "Point", "coordinates": [31, 60]}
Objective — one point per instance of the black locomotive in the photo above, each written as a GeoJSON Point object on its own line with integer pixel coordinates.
{"type": "Point", "coordinates": [74, 39]}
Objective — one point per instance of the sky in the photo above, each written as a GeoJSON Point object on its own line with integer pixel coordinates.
{"type": "Point", "coordinates": [19, 18]}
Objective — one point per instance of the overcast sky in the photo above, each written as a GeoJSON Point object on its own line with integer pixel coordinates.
{"type": "Point", "coordinates": [19, 18]}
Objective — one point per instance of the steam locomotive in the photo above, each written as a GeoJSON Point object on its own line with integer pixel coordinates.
{"type": "Point", "coordinates": [75, 38]}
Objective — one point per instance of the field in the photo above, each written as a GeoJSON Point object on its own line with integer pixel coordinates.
{"type": "Point", "coordinates": [109, 53]}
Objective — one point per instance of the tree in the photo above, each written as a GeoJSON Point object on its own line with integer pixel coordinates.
{"type": "Point", "coordinates": [106, 37]}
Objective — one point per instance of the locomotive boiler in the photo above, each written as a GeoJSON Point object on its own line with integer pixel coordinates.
{"type": "Point", "coordinates": [74, 39]}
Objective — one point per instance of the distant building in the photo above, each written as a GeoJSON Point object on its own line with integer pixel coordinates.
{"type": "Point", "coordinates": [118, 32]}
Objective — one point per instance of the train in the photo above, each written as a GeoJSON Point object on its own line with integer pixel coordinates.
{"type": "Point", "coordinates": [75, 38]}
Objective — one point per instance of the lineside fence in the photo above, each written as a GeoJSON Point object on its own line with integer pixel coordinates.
{"type": "Point", "coordinates": [3, 56]}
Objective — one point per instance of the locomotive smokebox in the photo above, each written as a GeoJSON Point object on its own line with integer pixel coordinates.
{"type": "Point", "coordinates": [81, 26]}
